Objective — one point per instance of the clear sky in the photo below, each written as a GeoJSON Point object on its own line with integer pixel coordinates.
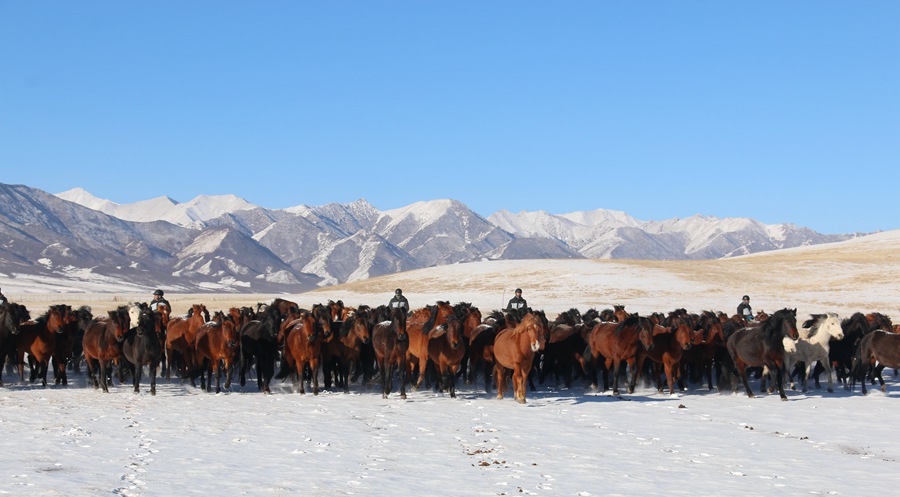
{"type": "Point", "coordinates": [778, 111]}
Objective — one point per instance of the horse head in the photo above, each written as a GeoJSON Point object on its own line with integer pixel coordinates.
{"type": "Point", "coordinates": [398, 323]}
{"type": "Point", "coordinates": [322, 319]}
{"type": "Point", "coordinates": [684, 333]}
{"type": "Point", "coordinates": [357, 324]}
{"type": "Point", "coordinates": [120, 320]}
{"type": "Point", "coordinates": [785, 322]}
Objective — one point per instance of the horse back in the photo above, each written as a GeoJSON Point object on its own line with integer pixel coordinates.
{"type": "Point", "coordinates": [884, 347]}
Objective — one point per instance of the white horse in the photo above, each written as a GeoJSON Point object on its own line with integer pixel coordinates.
{"type": "Point", "coordinates": [813, 346]}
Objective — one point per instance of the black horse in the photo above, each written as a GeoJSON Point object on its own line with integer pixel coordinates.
{"type": "Point", "coordinates": [11, 316]}
{"type": "Point", "coordinates": [259, 344]}
{"type": "Point", "coordinates": [762, 345]}
{"type": "Point", "coordinates": [142, 347]}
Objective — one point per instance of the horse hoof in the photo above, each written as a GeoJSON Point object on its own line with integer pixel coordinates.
{"type": "Point", "coordinates": [520, 401]}
{"type": "Point", "coordinates": [784, 399]}
{"type": "Point", "coordinates": [830, 390]}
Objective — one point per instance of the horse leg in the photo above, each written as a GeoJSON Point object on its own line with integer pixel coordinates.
{"type": "Point", "coordinates": [742, 370]}
{"type": "Point", "coordinates": [229, 369]}
{"type": "Point", "coordinates": [138, 370]}
{"type": "Point", "coordinates": [828, 371]}
{"type": "Point", "coordinates": [103, 383]}
{"type": "Point", "coordinates": [218, 370]}
{"type": "Point", "coordinates": [154, 366]}
{"type": "Point", "coordinates": [779, 376]}
{"type": "Point", "coordinates": [499, 374]}
{"type": "Point", "coordinates": [877, 374]}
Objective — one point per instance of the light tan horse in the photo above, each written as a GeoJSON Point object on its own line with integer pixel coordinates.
{"type": "Point", "coordinates": [514, 349]}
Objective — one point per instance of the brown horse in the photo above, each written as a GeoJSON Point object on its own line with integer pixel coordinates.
{"type": "Point", "coordinates": [66, 336]}
{"type": "Point", "coordinates": [38, 339]}
{"type": "Point", "coordinates": [877, 350]}
{"type": "Point", "coordinates": [669, 343]}
{"type": "Point", "coordinates": [618, 344]}
{"type": "Point", "coordinates": [391, 341]}
{"type": "Point", "coordinates": [470, 317]}
{"type": "Point", "coordinates": [216, 347]}
{"type": "Point", "coordinates": [704, 355]}
{"type": "Point", "coordinates": [762, 345]}
{"type": "Point", "coordinates": [284, 306]}
{"type": "Point", "coordinates": [420, 325]}
{"type": "Point", "coordinates": [514, 349]}
{"type": "Point", "coordinates": [345, 347]}
{"type": "Point", "coordinates": [446, 349]}
{"type": "Point", "coordinates": [302, 348]}
{"type": "Point", "coordinates": [180, 338]}
{"type": "Point", "coordinates": [103, 344]}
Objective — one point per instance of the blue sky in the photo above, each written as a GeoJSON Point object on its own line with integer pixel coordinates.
{"type": "Point", "coordinates": [778, 111]}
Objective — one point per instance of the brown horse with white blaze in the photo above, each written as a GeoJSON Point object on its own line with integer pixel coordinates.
{"type": "Point", "coordinates": [514, 349]}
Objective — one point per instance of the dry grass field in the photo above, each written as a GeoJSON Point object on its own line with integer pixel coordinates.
{"type": "Point", "coordinates": [857, 275]}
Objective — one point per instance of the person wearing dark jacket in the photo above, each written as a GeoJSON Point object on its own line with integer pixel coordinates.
{"type": "Point", "coordinates": [744, 310]}
{"type": "Point", "coordinates": [158, 299]}
{"type": "Point", "coordinates": [517, 303]}
{"type": "Point", "coordinates": [399, 300]}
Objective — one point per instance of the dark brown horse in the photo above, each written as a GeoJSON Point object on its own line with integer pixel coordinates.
{"type": "Point", "coordinates": [446, 349]}
{"type": "Point", "coordinates": [216, 347]}
{"type": "Point", "coordinates": [38, 339]}
{"type": "Point", "coordinates": [345, 347]}
{"type": "Point", "coordinates": [877, 350]}
{"type": "Point", "coordinates": [390, 341]}
{"type": "Point", "coordinates": [142, 347]}
{"type": "Point", "coordinates": [259, 344]}
{"type": "Point", "coordinates": [705, 355]}
{"type": "Point", "coordinates": [514, 349]}
{"type": "Point", "coordinates": [11, 316]}
{"type": "Point", "coordinates": [180, 338]}
{"type": "Point", "coordinates": [619, 344]}
{"type": "Point", "coordinates": [103, 344]}
{"type": "Point", "coordinates": [762, 346]}
{"type": "Point", "coordinates": [66, 337]}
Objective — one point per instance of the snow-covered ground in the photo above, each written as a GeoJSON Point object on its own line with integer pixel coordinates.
{"type": "Point", "coordinates": [77, 441]}
{"type": "Point", "coordinates": [575, 442]}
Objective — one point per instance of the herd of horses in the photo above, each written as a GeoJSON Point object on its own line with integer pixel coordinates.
{"type": "Point", "coordinates": [440, 345]}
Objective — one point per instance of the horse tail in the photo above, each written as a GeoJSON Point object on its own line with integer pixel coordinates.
{"type": "Point", "coordinates": [726, 380]}
{"type": "Point", "coordinates": [284, 370]}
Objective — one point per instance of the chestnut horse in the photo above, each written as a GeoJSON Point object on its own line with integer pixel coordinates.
{"type": "Point", "coordinates": [142, 346]}
{"type": "Point", "coordinates": [216, 347]}
{"type": "Point", "coordinates": [38, 339]}
{"type": "Point", "coordinates": [302, 339]}
{"type": "Point", "coordinates": [514, 349]}
{"type": "Point", "coordinates": [762, 345]}
{"type": "Point", "coordinates": [103, 344]}
{"type": "Point", "coordinates": [618, 344]}
{"type": "Point", "coordinates": [180, 337]}
{"type": "Point", "coordinates": [390, 341]}
{"type": "Point", "coordinates": [420, 325]}
{"type": "Point", "coordinates": [669, 344]}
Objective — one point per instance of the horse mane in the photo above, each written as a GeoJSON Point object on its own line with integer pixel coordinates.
{"type": "Point", "coordinates": [856, 325]}
{"type": "Point", "coordinates": [432, 309]}
{"type": "Point", "coordinates": [814, 323]}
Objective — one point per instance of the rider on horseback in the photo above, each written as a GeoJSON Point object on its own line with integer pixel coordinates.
{"type": "Point", "coordinates": [744, 310]}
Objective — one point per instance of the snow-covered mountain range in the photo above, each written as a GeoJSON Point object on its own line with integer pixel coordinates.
{"type": "Point", "coordinates": [224, 243]}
